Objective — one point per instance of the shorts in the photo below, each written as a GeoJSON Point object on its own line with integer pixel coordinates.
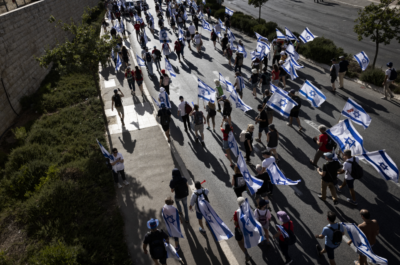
{"type": "Point", "coordinates": [188, 40]}
{"type": "Point", "coordinates": [225, 145]}
{"type": "Point", "coordinates": [271, 148]}
{"type": "Point", "coordinates": [192, 35]}
{"type": "Point", "coordinates": [264, 88]}
{"type": "Point", "coordinates": [270, 114]}
{"type": "Point", "coordinates": [165, 127]}
{"type": "Point", "coordinates": [254, 85]}
{"type": "Point", "coordinates": [350, 183]}
{"type": "Point", "coordinates": [139, 82]}
{"type": "Point", "coordinates": [261, 129]}
{"type": "Point", "coordinates": [227, 112]}
{"type": "Point", "coordinates": [294, 114]}
{"type": "Point", "coordinates": [333, 79]}
{"type": "Point", "coordinates": [120, 109]}
{"type": "Point", "coordinates": [212, 113]}
{"type": "Point", "coordinates": [199, 127]}
{"type": "Point", "coordinates": [163, 260]}
{"type": "Point", "coordinates": [199, 215]}
{"type": "Point", "coordinates": [331, 252]}
{"type": "Point", "coordinates": [238, 234]}
{"type": "Point", "coordinates": [240, 92]}
{"type": "Point", "coordinates": [275, 82]}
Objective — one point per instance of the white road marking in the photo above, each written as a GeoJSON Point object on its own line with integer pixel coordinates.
{"type": "Point", "coordinates": [312, 124]}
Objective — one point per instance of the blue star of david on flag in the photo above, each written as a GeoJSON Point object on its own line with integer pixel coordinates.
{"type": "Point", "coordinates": [383, 166]}
{"type": "Point", "coordinates": [283, 102]}
{"type": "Point", "coordinates": [349, 142]}
{"type": "Point", "coordinates": [170, 219]}
{"type": "Point", "coordinates": [312, 94]}
{"type": "Point", "coordinates": [356, 113]}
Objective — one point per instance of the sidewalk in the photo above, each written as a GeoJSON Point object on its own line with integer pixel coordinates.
{"type": "Point", "coordinates": [149, 161]}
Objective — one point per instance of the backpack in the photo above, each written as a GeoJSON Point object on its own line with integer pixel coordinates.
{"type": "Point", "coordinates": [262, 218]}
{"type": "Point", "coordinates": [187, 33]}
{"type": "Point", "coordinates": [357, 171]}
{"type": "Point", "coordinates": [393, 74]}
{"type": "Point", "coordinates": [240, 59]}
{"type": "Point", "coordinates": [330, 144]}
{"type": "Point", "coordinates": [165, 80]}
{"type": "Point", "coordinates": [188, 108]}
{"type": "Point", "coordinates": [242, 136]}
{"type": "Point", "coordinates": [117, 100]}
{"type": "Point", "coordinates": [198, 118]}
{"type": "Point", "coordinates": [158, 54]}
{"type": "Point", "coordinates": [292, 238]}
{"type": "Point", "coordinates": [165, 118]}
{"type": "Point", "coordinates": [181, 190]}
{"type": "Point", "coordinates": [337, 235]}
{"type": "Point", "coordinates": [198, 194]}
{"type": "Point", "coordinates": [157, 249]}
{"type": "Point", "coordinates": [148, 57]}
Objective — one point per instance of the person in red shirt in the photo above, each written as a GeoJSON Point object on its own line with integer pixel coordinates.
{"type": "Point", "coordinates": [137, 29]}
{"type": "Point", "coordinates": [225, 133]}
{"type": "Point", "coordinates": [321, 141]}
{"type": "Point", "coordinates": [275, 75]}
{"type": "Point", "coordinates": [178, 49]}
{"type": "Point", "coordinates": [287, 225]}
{"type": "Point", "coordinates": [238, 234]}
{"type": "Point", "coordinates": [130, 76]}
{"type": "Point", "coordinates": [139, 78]}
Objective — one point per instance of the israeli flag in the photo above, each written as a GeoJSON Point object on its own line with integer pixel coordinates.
{"type": "Point", "coordinates": [228, 11]}
{"type": "Point", "coordinates": [274, 88]}
{"type": "Point", "coordinates": [180, 34]}
{"type": "Point", "coordinates": [292, 51]}
{"type": "Point", "coordinates": [163, 36]}
{"type": "Point", "coordinates": [232, 46]}
{"type": "Point", "coordinates": [253, 184]}
{"type": "Point", "coordinates": [228, 85]}
{"type": "Point", "coordinates": [137, 18]}
{"type": "Point", "coordinates": [204, 2]}
{"type": "Point", "coordinates": [122, 27]}
{"type": "Point", "coordinates": [171, 251]}
{"type": "Point", "coordinates": [156, 102]}
{"type": "Point", "coordinates": [109, 16]}
{"type": "Point", "coordinates": [263, 49]}
{"type": "Point", "coordinates": [283, 231]}
{"type": "Point", "coordinates": [205, 92]}
{"type": "Point", "coordinates": [206, 25]}
{"type": "Point", "coordinates": [185, 17]}
{"type": "Point", "coordinates": [280, 35]}
{"type": "Point", "coordinates": [171, 217]}
{"type": "Point", "coordinates": [241, 49]}
{"type": "Point", "coordinates": [233, 144]}
{"type": "Point", "coordinates": [278, 178]}
{"type": "Point", "coordinates": [312, 94]}
{"type": "Point", "coordinates": [289, 68]}
{"type": "Point", "coordinates": [281, 103]}
{"type": "Point", "coordinates": [218, 228]}
{"type": "Point", "coordinates": [231, 36]}
{"type": "Point", "coordinates": [362, 60]}
{"type": "Point", "coordinates": [253, 232]}
{"type": "Point", "coordinates": [295, 64]}
{"type": "Point", "coordinates": [140, 61]}
{"type": "Point", "coordinates": [360, 241]}
{"type": "Point", "coordinates": [105, 153]}
{"type": "Point", "coordinates": [200, 15]}
{"type": "Point", "coordinates": [221, 24]}
{"type": "Point", "coordinates": [146, 40]}
{"type": "Point", "coordinates": [112, 54]}
{"type": "Point", "coordinates": [238, 102]}
{"type": "Point", "coordinates": [356, 113]}
{"type": "Point", "coordinates": [119, 63]}
{"type": "Point", "coordinates": [383, 164]}
{"type": "Point", "coordinates": [163, 96]}
{"type": "Point", "coordinates": [218, 32]}
{"type": "Point", "coordinates": [290, 35]}
{"type": "Point", "coordinates": [346, 136]}
{"type": "Point", "coordinates": [255, 55]}
{"type": "Point", "coordinates": [241, 83]}
{"type": "Point", "coordinates": [261, 38]}
{"type": "Point", "coordinates": [117, 27]}
{"type": "Point", "coordinates": [307, 36]}
{"type": "Point", "coordinates": [169, 68]}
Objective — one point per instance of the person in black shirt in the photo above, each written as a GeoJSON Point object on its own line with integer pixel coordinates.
{"type": "Point", "coordinates": [248, 143]}
{"type": "Point", "coordinates": [155, 239]}
{"type": "Point", "coordinates": [270, 112]}
{"type": "Point", "coordinates": [165, 118]}
{"type": "Point", "coordinates": [238, 182]}
{"type": "Point", "coordinates": [333, 73]}
{"type": "Point", "coordinates": [266, 188]}
{"type": "Point", "coordinates": [294, 113]}
{"type": "Point", "coordinates": [224, 42]}
{"type": "Point", "coordinates": [196, 22]}
{"type": "Point", "coordinates": [179, 186]}
{"type": "Point", "coordinates": [343, 64]}
{"type": "Point", "coordinates": [262, 118]}
{"type": "Point", "coordinates": [329, 177]}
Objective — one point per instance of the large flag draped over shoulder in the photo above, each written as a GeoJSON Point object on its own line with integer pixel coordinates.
{"type": "Point", "coordinates": [205, 92]}
{"type": "Point", "coordinates": [252, 230]}
{"type": "Point", "coordinates": [180, 34]}
{"type": "Point", "coordinates": [280, 35]}
{"type": "Point", "coordinates": [290, 69]}
{"type": "Point", "coordinates": [253, 184]}
{"type": "Point", "coordinates": [346, 136]}
{"type": "Point", "coordinates": [290, 35]}
{"type": "Point", "coordinates": [169, 68]}
{"type": "Point", "coordinates": [307, 36]}
{"type": "Point", "coordinates": [156, 102]}
{"type": "Point", "coordinates": [118, 64]}
{"type": "Point", "coordinates": [360, 241]}
{"type": "Point", "coordinates": [383, 164]}
{"type": "Point", "coordinates": [206, 25]}
{"type": "Point", "coordinates": [281, 103]}
{"type": "Point", "coordinates": [163, 36]}
{"type": "Point", "coordinates": [255, 55]}
{"type": "Point", "coordinates": [273, 88]}
{"type": "Point", "coordinates": [171, 217]}
{"type": "Point", "coordinates": [277, 176]}
{"type": "Point", "coordinates": [217, 226]}
{"type": "Point", "coordinates": [241, 49]}
{"type": "Point", "coordinates": [231, 36]}
{"type": "Point", "coordinates": [233, 144]}
{"type": "Point", "coordinates": [238, 102]}
{"type": "Point", "coordinates": [140, 61]}
{"type": "Point", "coordinates": [228, 11]}
{"type": "Point", "coordinates": [356, 113]}
{"type": "Point", "coordinates": [362, 60]}
{"type": "Point", "coordinates": [171, 251]}
{"type": "Point", "coordinates": [163, 96]}
{"type": "Point", "coordinates": [312, 94]}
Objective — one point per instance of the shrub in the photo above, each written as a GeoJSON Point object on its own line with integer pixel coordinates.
{"type": "Point", "coordinates": [373, 76]}
{"type": "Point", "coordinates": [261, 29]}
{"type": "Point", "coordinates": [220, 13]}
{"type": "Point", "coordinates": [271, 26]}
{"type": "Point", "coordinates": [321, 50]}
{"type": "Point", "coordinates": [57, 253]}
{"type": "Point", "coordinates": [247, 25]}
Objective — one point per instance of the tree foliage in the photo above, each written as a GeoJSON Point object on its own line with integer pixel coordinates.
{"type": "Point", "coordinates": [259, 4]}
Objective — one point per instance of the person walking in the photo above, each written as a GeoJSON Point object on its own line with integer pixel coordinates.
{"type": "Point", "coordinates": [197, 41]}
{"type": "Point", "coordinates": [370, 228]}
{"type": "Point", "coordinates": [192, 30]}
{"type": "Point", "coordinates": [211, 112]}
{"type": "Point", "coordinates": [196, 22]}
{"type": "Point", "coordinates": [193, 202]}
{"type": "Point", "coordinates": [350, 161]}
{"type": "Point", "coordinates": [149, 61]}
{"type": "Point", "coordinates": [343, 68]}
{"type": "Point", "coordinates": [334, 73]}
{"type": "Point", "coordinates": [238, 81]}
{"type": "Point", "coordinates": [238, 233]}
{"type": "Point", "coordinates": [130, 77]}
{"type": "Point", "coordinates": [224, 44]}
{"type": "Point", "coordinates": [166, 50]}
{"type": "Point", "coordinates": [390, 76]}
{"type": "Point", "coordinates": [198, 123]}
{"type": "Point", "coordinates": [157, 57]}
{"type": "Point", "coordinates": [164, 81]}
{"type": "Point", "coordinates": [329, 177]}
{"type": "Point", "coordinates": [266, 188]}
{"type": "Point", "coordinates": [220, 92]}
{"type": "Point", "coordinates": [248, 142]}
{"type": "Point", "coordinates": [265, 80]}
{"type": "Point", "coordinates": [238, 62]}
{"type": "Point", "coordinates": [169, 210]}
{"type": "Point", "coordinates": [268, 160]}
{"type": "Point", "coordinates": [139, 79]}
{"type": "Point", "coordinates": [178, 49]}
{"type": "Point", "coordinates": [117, 102]}
{"type": "Point", "coordinates": [228, 53]}
{"type": "Point", "coordinates": [155, 239]}
{"type": "Point", "coordinates": [183, 110]}
{"type": "Point", "coordinates": [333, 234]}
{"type": "Point", "coordinates": [255, 81]}
{"type": "Point", "coordinates": [180, 187]}
{"type": "Point", "coordinates": [270, 111]}
{"type": "Point", "coordinates": [275, 75]}
{"type": "Point", "coordinates": [325, 145]}
{"type": "Point", "coordinates": [263, 215]}
{"type": "Point", "coordinates": [262, 118]}
{"type": "Point", "coordinates": [165, 119]}
{"type": "Point", "coordinates": [289, 229]}
{"type": "Point", "coordinates": [272, 141]}
{"type": "Point", "coordinates": [118, 167]}
{"type": "Point", "coordinates": [238, 182]}
{"type": "Point", "coordinates": [137, 29]}
{"type": "Point", "coordinates": [276, 47]}
{"type": "Point", "coordinates": [225, 135]}
{"type": "Point", "coordinates": [282, 74]}
{"type": "Point", "coordinates": [214, 38]}
{"type": "Point", "coordinates": [227, 109]}
{"type": "Point", "coordinates": [125, 55]}
{"type": "Point", "coordinates": [294, 113]}
{"type": "Point", "coordinates": [188, 37]}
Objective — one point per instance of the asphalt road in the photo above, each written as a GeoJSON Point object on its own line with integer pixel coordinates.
{"type": "Point", "coordinates": [331, 19]}
{"type": "Point", "coordinates": [301, 202]}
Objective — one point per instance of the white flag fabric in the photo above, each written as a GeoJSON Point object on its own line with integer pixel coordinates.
{"type": "Point", "coordinates": [156, 102]}
{"type": "Point", "coordinates": [255, 55]}
{"type": "Point", "coordinates": [238, 102]}
{"type": "Point", "coordinates": [290, 69]}
{"type": "Point", "coordinates": [200, 16]}
{"type": "Point", "coordinates": [360, 241]}
{"type": "Point", "coordinates": [217, 32]}
{"type": "Point", "coordinates": [383, 164]}
{"type": "Point", "coordinates": [169, 68]}
{"type": "Point", "coordinates": [241, 49]}
{"type": "Point", "coordinates": [277, 177]}
{"type": "Point", "coordinates": [137, 18]}
{"type": "Point", "coordinates": [233, 144]}
{"type": "Point", "coordinates": [171, 251]}
{"type": "Point", "coordinates": [146, 40]}
{"type": "Point", "coordinates": [273, 88]}
{"type": "Point", "coordinates": [346, 136]}
{"type": "Point", "coordinates": [118, 64]}
{"type": "Point", "coordinates": [312, 94]}
{"type": "Point", "coordinates": [292, 51]}
{"type": "Point", "coordinates": [253, 184]}
{"type": "Point", "coordinates": [290, 35]}
{"type": "Point", "coordinates": [280, 35]}
{"type": "Point", "coordinates": [106, 154]}
{"type": "Point", "coordinates": [283, 231]}
{"type": "Point", "coordinates": [281, 103]}
{"type": "Point", "coordinates": [252, 230]}
{"type": "Point", "coordinates": [217, 226]}
{"type": "Point", "coordinates": [241, 82]}
{"type": "Point", "coordinates": [180, 34]}
{"type": "Point", "coordinates": [206, 25]}
{"type": "Point", "coordinates": [307, 36]}
{"type": "Point", "coordinates": [112, 54]}
{"type": "Point", "coordinates": [362, 60]}
{"type": "Point", "coordinates": [356, 113]}
{"type": "Point", "coordinates": [221, 24]}
{"type": "Point", "coordinates": [261, 38]}
{"type": "Point", "coordinates": [228, 85]}
{"type": "Point", "coordinates": [205, 92]}
{"type": "Point", "coordinates": [231, 36]}
{"type": "Point", "coordinates": [163, 36]}
{"type": "Point", "coordinates": [171, 218]}
{"type": "Point", "coordinates": [233, 48]}
{"type": "Point", "coordinates": [140, 61]}
{"type": "Point", "coordinates": [295, 64]}
{"type": "Point", "coordinates": [122, 27]}
{"type": "Point", "coordinates": [185, 16]}
{"type": "Point", "coordinates": [204, 2]}
{"type": "Point", "coordinates": [262, 48]}
{"type": "Point", "coordinates": [163, 96]}
{"type": "Point", "coordinates": [228, 11]}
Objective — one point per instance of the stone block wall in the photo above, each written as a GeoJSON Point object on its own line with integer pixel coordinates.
{"type": "Point", "coordinates": [24, 33]}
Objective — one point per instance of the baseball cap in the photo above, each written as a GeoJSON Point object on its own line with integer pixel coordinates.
{"type": "Point", "coordinates": [389, 64]}
{"type": "Point", "coordinates": [283, 216]}
{"type": "Point", "coordinates": [328, 155]}
{"type": "Point", "coordinates": [152, 223]}
{"type": "Point", "coordinates": [240, 200]}
{"type": "Point", "coordinates": [265, 152]}
{"type": "Point", "coordinates": [262, 203]}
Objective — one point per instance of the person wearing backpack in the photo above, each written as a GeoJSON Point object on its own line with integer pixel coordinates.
{"type": "Point", "coordinates": [148, 59]}
{"type": "Point", "coordinates": [183, 110]}
{"type": "Point", "coordinates": [165, 119]}
{"type": "Point", "coordinates": [155, 239]}
{"type": "Point", "coordinates": [194, 202]}
{"type": "Point", "coordinates": [198, 123]}
{"type": "Point", "coordinates": [117, 102]}
{"type": "Point", "coordinates": [238, 62]}
{"type": "Point", "coordinates": [289, 239]}
{"type": "Point", "coordinates": [333, 234]}
{"type": "Point", "coordinates": [179, 186]}
{"type": "Point", "coordinates": [390, 76]}
{"type": "Point", "coordinates": [156, 57]}
{"type": "Point", "coordinates": [325, 145]}
{"type": "Point", "coordinates": [352, 171]}
{"type": "Point", "coordinates": [329, 177]}
{"type": "Point", "coordinates": [164, 81]}
{"type": "Point", "coordinates": [263, 215]}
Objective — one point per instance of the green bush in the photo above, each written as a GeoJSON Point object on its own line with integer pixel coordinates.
{"type": "Point", "coordinates": [247, 25]}
{"type": "Point", "coordinates": [57, 253]}
{"type": "Point", "coordinates": [271, 26]}
{"type": "Point", "coordinates": [19, 134]}
{"type": "Point", "coordinates": [261, 29]}
{"type": "Point", "coordinates": [321, 50]}
{"type": "Point", "coordinates": [373, 76]}
{"type": "Point", "coordinates": [220, 13]}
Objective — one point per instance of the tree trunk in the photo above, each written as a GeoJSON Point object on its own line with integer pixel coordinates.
{"type": "Point", "coordinates": [376, 49]}
{"type": "Point", "coordinates": [259, 15]}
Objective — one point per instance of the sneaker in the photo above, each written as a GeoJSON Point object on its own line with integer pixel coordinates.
{"type": "Point", "coordinates": [202, 230]}
{"type": "Point", "coordinates": [335, 202]}
{"type": "Point", "coordinates": [126, 183]}
{"type": "Point", "coordinates": [383, 97]}
{"type": "Point", "coordinates": [319, 249]}
{"type": "Point", "coordinates": [132, 92]}
{"type": "Point", "coordinates": [208, 128]}
{"type": "Point", "coordinates": [119, 186]}
{"type": "Point", "coordinates": [289, 261]}
{"type": "Point", "coordinates": [320, 197]}
{"type": "Point", "coordinates": [352, 202]}
{"type": "Point", "coordinates": [288, 124]}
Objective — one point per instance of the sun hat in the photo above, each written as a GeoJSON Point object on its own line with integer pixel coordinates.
{"type": "Point", "coordinates": [254, 71]}
{"type": "Point", "coordinates": [240, 200]}
{"type": "Point", "coordinates": [283, 216]}
{"type": "Point", "coordinates": [152, 223]}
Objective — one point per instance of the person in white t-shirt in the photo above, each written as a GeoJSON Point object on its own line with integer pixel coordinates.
{"type": "Point", "coordinates": [388, 81]}
{"type": "Point", "coordinates": [118, 167]}
{"type": "Point", "coordinates": [263, 216]}
{"type": "Point", "coordinates": [198, 41]}
{"type": "Point", "coordinates": [348, 180]}
{"type": "Point", "coordinates": [183, 114]}
{"type": "Point", "coordinates": [268, 160]}
{"type": "Point", "coordinates": [192, 30]}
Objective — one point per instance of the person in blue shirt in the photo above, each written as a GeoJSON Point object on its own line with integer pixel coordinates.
{"type": "Point", "coordinates": [332, 241]}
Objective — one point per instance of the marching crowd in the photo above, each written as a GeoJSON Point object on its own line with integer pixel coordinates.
{"type": "Point", "coordinates": [175, 15]}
